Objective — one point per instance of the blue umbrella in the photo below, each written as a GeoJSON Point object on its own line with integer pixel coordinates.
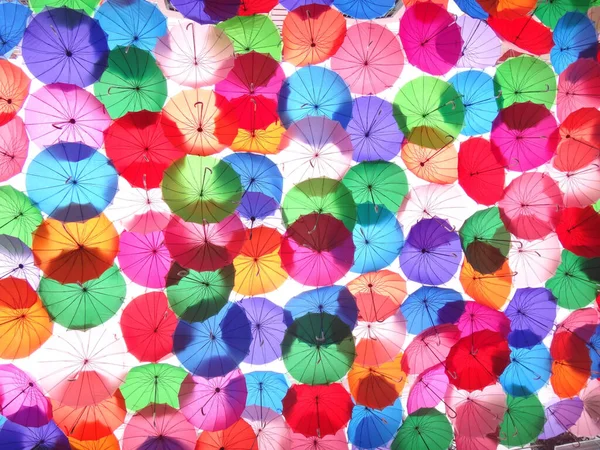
{"type": "Point", "coordinates": [594, 346]}
{"type": "Point", "coordinates": [472, 8]}
{"type": "Point", "coordinates": [255, 207]}
{"type": "Point", "coordinates": [13, 21]}
{"type": "Point", "coordinates": [529, 370]}
{"type": "Point", "coordinates": [314, 91]}
{"type": "Point", "coordinates": [371, 428]}
{"type": "Point", "coordinates": [257, 174]}
{"type": "Point", "coordinates": [208, 11]}
{"type": "Point", "coordinates": [430, 306]}
{"type": "Point", "coordinates": [531, 312]}
{"type": "Point", "coordinates": [18, 437]}
{"type": "Point", "coordinates": [217, 345]}
{"type": "Point", "coordinates": [131, 23]}
{"type": "Point", "coordinates": [364, 9]}
{"type": "Point", "coordinates": [71, 182]}
{"type": "Point", "coordinates": [334, 300]}
{"type": "Point", "coordinates": [477, 91]}
{"type": "Point", "coordinates": [293, 4]}
{"type": "Point", "coordinates": [377, 236]}
{"type": "Point", "coordinates": [266, 389]}
{"type": "Point", "coordinates": [574, 38]}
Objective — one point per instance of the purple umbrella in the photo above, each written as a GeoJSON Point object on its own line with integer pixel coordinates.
{"type": "Point", "coordinates": [293, 4]}
{"type": "Point", "coordinates": [207, 11]}
{"type": "Point", "coordinates": [268, 326]}
{"type": "Point", "coordinates": [373, 130]}
{"type": "Point", "coordinates": [531, 312]}
{"type": "Point", "coordinates": [432, 252]}
{"type": "Point", "coordinates": [65, 46]}
{"type": "Point", "coordinates": [561, 416]}
{"type": "Point", "coordinates": [481, 47]}
{"type": "Point", "coordinates": [18, 437]}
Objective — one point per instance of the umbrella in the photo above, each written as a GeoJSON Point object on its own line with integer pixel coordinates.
{"type": "Point", "coordinates": [312, 34]}
{"type": "Point", "coordinates": [257, 174]}
{"type": "Point", "coordinates": [370, 58]}
{"type": "Point", "coordinates": [75, 252]}
{"type": "Point", "coordinates": [194, 55]}
{"type": "Point", "coordinates": [477, 317]}
{"type": "Point", "coordinates": [207, 11]}
{"type": "Point", "coordinates": [334, 300]}
{"type": "Point", "coordinates": [480, 174]}
{"type": "Point", "coordinates": [574, 283]}
{"type": "Point", "coordinates": [318, 348]}
{"type": "Point", "coordinates": [371, 428]}
{"type": "Point", "coordinates": [337, 441]}
{"type": "Point", "coordinates": [429, 348]}
{"type": "Point", "coordinates": [267, 322]}
{"type": "Point", "coordinates": [138, 209]}
{"type": "Point", "coordinates": [525, 79]}
{"type": "Point", "coordinates": [377, 386]}
{"type": "Point", "coordinates": [135, 23]}
{"type": "Point", "coordinates": [428, 389]}
{"type": "Point", "coordinates": [88, 6]}
{"type": "Point", "coordinates": [560, 416]}
{"type": "Point", "coordinates": [14, 88]}
{"type": "Point", "coordinates": [488, 289]}
{"type": "Point", "coordinates": [436, 165]}
{"type": "Point", "coordinates": [81, 306]}
{"type": "Point", "coordinates": [424, 429]}
{"type": "Point", "coordinates": [429, 306]}
{"type": "Point", "coordinates": [576, 231]}
{"type": "Point", "coordinates": [253, 33]}
{"type": "Point", "coordinates": [534, 262]}
{"type": "Point", "coordinates": [71, 182]}
{"type": "Point", "coordinates": [196, 296]}
{"type": "Point", "coordinates": [250, 7]}
{"type": "Point", "coordinates": [571, 362]}
{"type": "Point", "coordinates": [525, 33]}
{"type": "Point", "coordinates": [22, 401]}
{"type": "Point", "coordinates": [18, 216]}
{"type": "Point", "coordinates": [92, 424]}
{"type": "Point", "coordinates": [378, 294]}
{"type": "Point", "coordinates": [18, 437]}
{"type": "Point", "coordinates": [62, 45]}
{"type": "Point", "coordinates": [13, 21]}
{"type": "Point", "coordinates": [14, 146]}
{"type": "Point", "coordinates": [65, 113]}
{"type": "Point", "coordinates": [574, 38]}
{"type": "Point", "coordinates": [156, 384]}
{"type": "Point", "coordinates": [578, 87]}
{"type": "Point", "coordinates": [271, 429]}
{"type": "Point", "coordinates": [109, 442]}
{"type": "Point", "coordinates": [293, 4]}
{"type": "Point", "coordinates": [239, 436]}
{"type": "Point", "coordinates": [481, 47]}
{"type": "Point", "coordinates": [264, 141]}
{"type": "Point", "coordinates": [580, 187]}
{"type": "Point", "coordinates": [476, 413]}
{"type": "Point", "coordinates": [379, 340]}
{"type": "Point", "coordinates": [16, 260]}
{"type": "Point", "coordinates": [532, 312]}
{"type": "Point", "coordinates": [507, 9]}
{"type": "Point", "coordinates": [317, 410]}
{"type": "Point", "coordinates": [550, 14]}
{"type": "Point", "coordinates": [266, 389]}
{"type": "Point", "coordinates": [148, 325]}
{"type": "Point", "coordinates": [213, 404]}
{"type": "Point", "coordinates": [362, 9]}
{"type": "Point", "coordinates": [429, 111]}
{"type": "Point", "coordinates": [373, 130]}
{"type": "Point", "coordinates": [586, 424]}
{"type": "Point", "coordinates": [523, 420]}
{"type": "Point", "coordinates": [528, 371]}
{"type": "Point", "coordinates": [432, 253]}
{"type": "Point", "coordinates": [131, 82]}
{"type": "Point", "coordinates": [215, 346]}
{"type": "Point", "coordinates": [314, 91]}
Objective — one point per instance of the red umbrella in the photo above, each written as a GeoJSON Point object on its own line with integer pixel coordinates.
{"type": "Point", "coordinates": [480, 174]}
{"type": "Point", "coordinates": [578, 87]}
{"type": "Point", "coordinates": [317, 410]}
{"type": "Point", "coordinates": [578, 231]}
{"type": "Point", "coordinates": [571, 364]}
{"type": "Point", "coordinates": [430, 347]}
{"type": "Point", "coordinates": [476, 361]}
{"type": "Point", "coordinates": [251, 7]}
{"type": "Point", "coordinates": [579, 140]}
{"type": "Point", "coordinates": [524, 32]}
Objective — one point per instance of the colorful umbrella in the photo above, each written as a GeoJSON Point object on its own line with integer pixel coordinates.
{"type": "Point", "coordinates": [380, 340]}
{"type": "Point", "coordinates": [550, 14]}
{"type": "Point", "coordinates": [476, 317]}
{"type": "Point", "coordinates": [429, 306]}
{"type": "Point", "coordinates": [385, 286]}
{"type": "Point", "coordinates": [574, 281]}
{"type": "Point", "coordinates": [528, 371]}
{"type": "Point", "coordinates": [88, 6]}
{"type": "Point", "coordinates": [578, 87]}
{"type": "Point", "coordinates": [507, 9]}
{"type": "Point", "coordinates": [266, 389]}
{"type": "Point", "coordinates": [334, 300]}
{"type": "Point", "coordinates": [488, 289]}
{"type": "Point", "coordinates": [14, 146]}
{"type": "Point", "coordinates": [337, 441]}
{"type": "Point", "coordinates": [253, 33]}
{"type": "Point", "coordinates": [270, 428]}
{"type": "Point", "coordinates": [580, 187]}
{"type": "Point", "coordinates": [18, 216]}
{"type": "Point", "coordinates": [14, 88]}
{"type": "Point", "coordinates": [576, 231]}
{"type": "Point", "coordinates": [481, 47]}
{"type": "Point", "coordinates": [532, 312]}
{"type": "Point", "coordinates": [156, 384]}
{"type": "Point", "coordinates": [560, 416]}
{"type": "Point", "coordinates": [239, 436]}
{"type": "Point", "coordinates": [371, 428]}
{"type": "Point", "coordinates": [424, 429]}
{"type": "Point", "coordinates": [434, 165]}
{"type": "Point", "coordinates": [524, 32]}
{"type": "Point", "coordinates": [523, 420]}
{"type": "Point", "coordinates": [574, 38]}
{"type": "Point", "coordinates": [22, 401]}
{"type": "Point", "coordinates": [18, 437]}
{"type": "Point", "coordinates": [268, 325]}
{"type": "Point", "coordinates": [429, 348]}
{"type": "Point", "coordinates": [377, 386]}
{"type": "Point", "coordinates": [428, 389]}
{"type": "Point", "coordinates": [586, 424]}
{"type": "Point", "coordinates": [16, 260]}
{"type": "Point", "coordinates": [207, 11]}
{"type": "Point", "coordinates": [476, 413]}
{"type": "Point", "coordinates": [13, 21]}
{"type": "Point", "coordinates": [534, 262]}
{"type": "Point", "coordinates": [480, 174]}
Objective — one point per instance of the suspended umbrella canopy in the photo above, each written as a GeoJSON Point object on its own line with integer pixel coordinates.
{"type": "Point", "coordinates": [434, 165]}
{"type": "Point", "coordinates": [577, 231]}
{"type": "Point", "coordinates": [293, 4]}
{"type": "Point", "coordinates": [578, 87]}
{"type": "Point", "coordinates": [257, 174]}
{"type": "Point", "coordinates": [207, 11]}
{"type": "Point", "coordinates": [131, 82]}
{"type": "Point", "coordinates": [250, 7]}
{"type": "Point", "coordinates": [477, 93]}
{"type": "Point", "coordinates": [424, 429]}
{"type": "Point", "coordinates": [575, 37]}
{"type": "Point", "coordinates": [253, 33]}
{"type": "Point", "coordinates": [585, 421]}
{"type": "Point", "coordinates": [18, 215]}
{"type": "Point", "coordinates": [13, 21]}
{"type": "Point", "coordinates": [263, 141]}
{"type": "Point", "coordinates": [551, 13]}
{"type": "Point", "coordinates": [334, 300]}
{"type": "Point", "coordinates": [429, 348]}
{"type": "Point", "coordinates": [268, 322]}
{"type": "Point", "coordinates": [380, 340]}
{"type": "Point", "coordinates": [481, 47]}
{"type": "Point", "coordinates": [488, 289]}
{"type": "Point", "coordinates": [428, 389]}
{"type": "Point", "coordinates": [480, 174]}
{"type": "Point", "coordinates": [528, 371]}
{"type": "Point", "coordinates": [534, 261]}
{"type": "Point", "coordinates": [88, 6]}
{"type": "Point", "coordinates": [18, 437]}
{"type": "Point", "coordinates": [14, 147]}
{"type": "Point", "coordinates": [14, 88]}
{"type": "Point", "coordinates": [523, 420]}
{"type": "Point", "coordinates": [476, 317]}
{"type": "Point", "coordinates": [574, 283]}
{"type": "Point", "coordinates": [22, 400]}
{"type": "Point", "coordinates": [580, 188]}
{"type": "Point", "coordinates": [560, 416]}
{"type": "Point", "coordinates": [525, 32]}
{"type": "Point", "coordinates": [505, 9]}
{"type": "Point", "coordinates": [429, 111]}
{"type": "Point", "coordinates": [239, 436]}
{"type": "Point", "coordinates": [430, 306]}
{"type": "Point", "coordinates": [377, 386]}
{"type": "Point", "coordinates": [337, 441]}
{"type": "Point", "coordinates": [266, 389]}
{"type": "Point", "coordinates": [314, 91]}
{"type": "Point", "coordinates": [532, 312]}
{"type": "Point", "coordinates": [156, 384]}
{"type": "Point", "coordinates": [270, 428]}
{"type": "Point", "coordinates": [109, 442]}
{"type": "Point", "coordinates": [571, 363]}
{"type": "Point", "coordinates": [16, 260]}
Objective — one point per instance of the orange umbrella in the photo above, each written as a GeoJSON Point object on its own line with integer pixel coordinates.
{"type": "Point", "coordinates": [258, 266]}
{"type": "Point", "coordinates": [377, 386]}
{"type": "Point", "coordinates": [75, 252]}
{"type": "Point", "coordinates": [571, 363]}
{"type": "Point", "coordinates": [265, 141]}
{"type": "Point", "coordinates": [109, 442]}
{"type": "Point", "coordinates": [199, 122]}
{"type": "Point", "coordinates": [378, 294]}
{"type": "Point", "coordinates": [507, 9]}
{"type": "Point", "coordinates": [24, 323]}
{"type": "Point", "coordinates": [488, 289]}
{"type": "Point", "coordinates": [434, 165]}
{"type": "Point", "coordinates": [14, 87]}
{"type": "Point", "coordinates": [238, 436]}
{"type": "Point", "coordinates": [312, 34]}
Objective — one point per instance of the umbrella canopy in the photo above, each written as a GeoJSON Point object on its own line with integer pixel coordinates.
{"type": "Point", "coordinates": [527, 34]}
{"type": "Point", "coordinates": [14, 88]}
{"type": "Point", "coordinates": [578, 87]}
{"type": "Point", "coordinates": [380, 340]}
{"type": "Point", "coordinates": [560, 416]}
{"type": "Point", "coordinates": [18, 215]}
{"type": "Point", "coordinates": [428, 390]}
{"type": "Point", "coordinates": [88, 6]}
{"type": "Point", "coordinates": [380, 294]}
{"type": "Point", "coordinates": [477, 94]}
{"type": "Point", "coordinates": [377, 386]}
{"type": "Point", "coordinates": [335, 300]}
{"type": "Point", "coordinates": [207, 11]}
{"type": "Point", "coordinates": [239, 436]}
{"type": "Point", "coordinates": [361, 9]}
{"type": "Point", "coordinates": [429, 348]}
{"type": "Point", "coordinates": [576, 231]}
{"type": "Point", "coordinates": [523, 420]}
{"type": "Point", "coordinates": [270, 428]}
{"type": "Point", "coordinates": [574, 38]}
{"type": "Point", "coordinates": [21, 399]}
{"type": "Point", "coordinates": [424, 429]}
{"type": "Point", "coordinates": [371, 428]}
{"type": "Point", "coordinates": [534, 261]}
{"type": "Point", "coordinates": [156, 384]}
{"type": "Point", "coordinates": [477, 317]}
{"type": "Point", "coordinates": [257, 174]}
{"type": "Point", "coordinates": [481, 47]}
{"type": "Point", "coordinates": [476, 413]}
{"type": "Point", "coordinates": [528, 371]}
{"type": "Point", "coordinates": [434, 165]}
{"type": "Point", "coordinates": [430, 306]}
{"type": "Point", "coordinates": [16, 260]}
{"type": "Point", "coordinates": [572, 283]}
{"type": "Point", "coordinates": [14, 147]}
{"type": "Point", "coordinates": [480, 174]}
{"type": "Point", "coordinates": [266, 389]}
{"type": "Point", "coordinates": [12, 25]}
{"type": "Point", "coordinates": [253, 33]}
{"type": "Point", "coordinates": [489, 289]}
{"type": "Point", "coordinates": [532, 312]}
{"type": "Point", "coordinates": [507, 9]}
{"type": "Point", "coordinates": [267, 321]}
{"type": "Point", "coordinates": [586, 424]}
{"type": "Point", "coordinates": [18, 437]}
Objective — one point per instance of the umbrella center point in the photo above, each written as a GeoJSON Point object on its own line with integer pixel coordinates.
{"type": "Point", "coordinates": [71, 121]}
{"type": "Point", "coordinates": [9, 101]}
{"type": "Point", "coordinates": [217, 390]}
{"type": "Point", "coordinates": [366, 63]}
{"type": "Point", "coordinates": [136, 38]}
{"type": "Point", "coordinates": [21, 266]}
{"type": "Point", "coordinates": [199, 129]}
{"type": "Point", "coordinates": [69, 53]}
{"type": "Point", "coordinates": [313, 45]}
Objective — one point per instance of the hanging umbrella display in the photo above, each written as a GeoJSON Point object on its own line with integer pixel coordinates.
{"type": "Point", "coordinates": [334, 300]}
{"type": "Point", "coordinates": [268, 325]}
{"type": "Point", "coordinates": [207, 11]}
{"type": "Point", "coordinates": [428, 390]}
{"type": "Point", "coordinates": [524, 32]}
{"type": "Point", "coordinates": [18, 437]}
{"type": "Point", "coordinates": [480, 174]}
{"type": "Point", "coordinates": [239, 436]}
{"type": "Point", "coordinates": [270, 428]}
{"type": "Point", "coordinates": [481, 47]}
{"type": "Point", "coordinates": [476, 413]}
{"type": "Point", "coordinates": [371, 428]}
{"type": "Point", "coordinates": [476, 317]}
{"type": "Point", "coordinates": [388, 287]}
{"type": "Point", "coordinates": [532, 312]}
{"type": "Point", "coordinates": [257, 174]}
{"type": "Point", "coordinates": [13, 22]}
{"type": "Point", "coordinates": [14, 147]}
{"type": "Point", "coordinates": [434, 165]}
{"type": "Point", "coordinates": [88, 6]}
{"type": "Point", "coordinates": [18, 216]}
{"type": "Point", "coordinates": [534, 262]}
{"type": "Point", "coordinates": [14, 88]}
{"type": "Point", "coordinates": [523, 420]}
{"type": "Point", "coordinates": [380, 340]}
{"type": "Point", "coordinates": [429, 306]}
{"type": "Point", "coordinates": [22, 401]}
{"type": "Point", "coordinates": [578, 87]}
{"type": "Point", "coordinates": [488, 289]}
{"type": "Point", "coordinates": [528, 371]}
{"type": "Point", "coordinates": [266, 389]}
{"type": "Point", "coordinates": [429, 348]}
{"type": "Point", "coordinates": [574, 280]}
{"type": "Point", "coordinates": [16, 260]}
{"type": "Point", "coordinates": [156, 384]}
{"type": "Point", "coordinates": [560, 416]}
{"type": "Point", "coordinates": [377, 386]}
{"type": "Point", "coordinates": [574, 38]}
{"type": "Point", "coordinates": [253, 33]}
{"type": "Point", "coordinates": [424, 429]}
{"type": "Point", "coordinates": [576, 231]}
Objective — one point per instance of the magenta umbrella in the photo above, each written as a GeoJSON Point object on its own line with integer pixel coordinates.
{"type": "Point", "coordinates": [481, 47]}
{"type": "Point", "coordinates": [429, 389]}
{"type": "Point", "coordinates": [478, 317]}
{"type": "Point", "coordinates": [22, 401]}
{"type": "Point", "coordinates": [337, 441]}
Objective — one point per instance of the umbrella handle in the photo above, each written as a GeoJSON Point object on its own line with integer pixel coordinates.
{"type": "Point", "coordinates": [452, 374]}
{"type": "Point", "coordinates": [56, 126]}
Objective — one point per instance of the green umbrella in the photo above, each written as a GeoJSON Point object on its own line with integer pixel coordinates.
{"type": "Point", "coordinates": [525, 79]}
{"type": "Point", "coordinates": [575, 282]}
{"type": "Point", "coordinates": [550, 11]}
{"type": "Point", "coordinates": [196, 296]}
{"type": "Point", "coordinates": [156, 384]}
{"type": "Point", "coordinates": [201, 189]}
{"type": "Point", "coordinates": [83, 306]}
{"type": "Point", "coordinates": [429, 111]}
{"type": "Point", "coordinates": [425, 429]}
{"type": "Point", "coordinates": [88, 6]}
{"type": "Point", "coordinates": [18, 216]}
{"type": "Point", "coordinates": [597, 206]}
{"type": "Point", "coordinates": [131, 82]}
{"type": "Point", "coordinates": [523, 421]}
{"type": "Point", "coordinates": [322, 196]}
{"type": "Point", "coordinates": [379, 182]}
{"type": "Point", "coordinates": [253, 33]}
{"type": "Point", "coordinates": [318, 348]}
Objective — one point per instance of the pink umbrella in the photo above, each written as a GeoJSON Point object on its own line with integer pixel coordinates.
{"type": "Point", "coordinates": [65, 113]}
{"type": "Point", "coordinates": [477, 317]}
{"type": "Point", "coordinates": [430, 37]}
{"type": "Point", "coordinates": [578, 87]}
{"type": "Point", "coordinates": [335, 441]}
{"type": "Point", "coordinates": [429, 389]}
{"type": "Point", "coordinates": [159, 427]}
{"type": "Point", "coordinates": [213, 404]}
{"type": "Point", "coordinates": [14, 146]}
{"type": "Point", "coordinates": [370, 59]}
{"type": "Point", "coordinates": [580, 187]}
{"type": "Point", "coordinates": [22, 401]}
{"type": "Point", "coordinates": [588, 424]}
{"type": "Point", "coordinates": [476, 442]}
{"type": "Point", "coordinates": [534, 262]}
{"type": "Point", "coordinates": [524, 136]}
{"type": "Point", "coordinates": [272, 431]}
{"type": "Point", "coordinates": [481, 47]}
{"type": "Point", "coordinates": [194, 55]}
{"type": "Point", "coordinates": [429, 348]}
{"type": "Point", "coordinates": [530, 208]}
{"type": "Point", "coordinates": [379, 341]}
{"type": "Point", "coordinates": [207, 246]}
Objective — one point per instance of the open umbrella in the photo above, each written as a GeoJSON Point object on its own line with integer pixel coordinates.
{"type": "Point", "coordinates": [574, 38]}
{"type": "Point", "coordinates": [435, 163]}
{"type": "Point", "coordinates": [534, 262]}
{"type": "Point", "coordinates": [428, 389]}
{"type": "Point", "coordinates": [266, 389]}
{"type": "Point", "coordinates": [270, 428]}
{"type": "Point", "coordinates": [371, 428]}
{"type": "Point", "coordinates": [560, 416]}
{"type": "Point", "coordinates": [377, 386]}
{"type": "Point", "coordinates": [16, 260]}
{"type": "Point", "coordinates": [476, 413]}
{"type": "Point", "coordinates": [264, 141]}
{"type": "Point", "coordinates": [424, 429]}
{"type": "Point", "coordinates": [576, 231]}
{"type": "Point", "coordinates": [238, 436]}
{"type": "Point", "coordinates": [578, 87]}
{"type": "Point", "coordinates": [429, 306]}
{"type": "Point", "coordinates": [574, 281]}
{"type": "Point", "coordinates": [580, 187]}
{"type": "Point", "coordinates": [379, 340]}
{"type": "Point", "coordinates": [88, 6]}
{"type": "Point", "coordinates": [22, 401]}
{"type": "Point", "coordinates": [489, 289]}
{"type": "Point", "coordinates": [477, 94]}
{"type": "Point", "coordinates": [523, 420]}
{"type": "Point", "coordinates": [257, 174]}
{"type": "Point", "coordinates": [14, 88]}
{"type": "Point", "coordinates": [14, 147]}
{"type": "Point", "coordinates": [378, 294]}
{"type": "Point", "coordinates": [267, 322]}
{"type": "Point", "coordinates": [13, 21]}
{"type": "Point", "coordinates": [362, 9]}
{"type": "Point", "coordinates": [207, 11]}
{"type": "Point", "coordinates": [335, 300]}
{"type": "Point", "coordinates": [481, 47]}
{"type": "Point", "coordinates": [253, 33]}
{"type": "Point", "coordinates": [429, 348]}
{"type": "Point", "coordinates": [586, 424]}
{"type": "Point", "coordinates": [480, 174]}
{"type": "Point", "coordinates": [528, 371]}
{"type": "Point", "coordinates": [526, 33]}
{"type": "Point", "coordinates": [18, 216]}
{"type": "Point", "coordinates": [507, 9]}
{"type": "Point", "coordinates": [156, 384]}
{"type": "Point", "coordinates": [18, 437]}
{"type": "Point", "coordinates": [532, 312]}
{"type": "Point", "coordinates": [477, 317]}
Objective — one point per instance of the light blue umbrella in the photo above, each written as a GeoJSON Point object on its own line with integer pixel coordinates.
{"type": "Point", "coordinates": [529, 370]}
{"type": "Point", "coordinates": [370, 428]}
{"type": "Point", "coordinates": [472, 8]}
{"type": "Point", "coordinates": [574, 38]}
{"type": "Point", "coordinates": [13, 21]}
{"type": "Point", "coordinates": [334, 300]}
{"type": "Point", "coordinates": [429, 306]}
{"type": "Point", "coordinates": [257, 174]}
{"type": "Point", "coordinates": [266, 389]}
{"type": "Point", "coordinates": [477, 93]}
{"type": "Point", "coordinates": [364, 9]}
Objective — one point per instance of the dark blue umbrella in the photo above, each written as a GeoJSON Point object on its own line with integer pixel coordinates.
{"type": "Point", "coordinates": [594, 346]}
{"type": "Point", "coordinates": [574, 38]}
{"type": "Point", "coordinates": [266, 389]}
{"type": "Point", "coordinates": [208, 11]}
{"type": "Point", "coordinates": [18, 437]}
{"type": "Point", "coordinates": [13, 21]}
{"type": "Point", "coordinates": [472, 8]}
{"type": "Point", "coordinates": [334, 300]}
{"type": "Point", "coordinates": [532, 312]}
{"type": "Point", "coordinates": [429, 306]}
{"type": "Point", "coordinates": [293, 4]}
{"type": "Point", "coordinates": [370, 428]}
{"type": "Point", "coordinates": [256, 207]}
{"type": "Point", "coordinates": [364, 9]}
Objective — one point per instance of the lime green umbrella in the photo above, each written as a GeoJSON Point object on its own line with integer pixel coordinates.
{"type": "Point", "coordinates": [18, 216]}
{"type": "Point", "coordinates": [88, 6]}
{"type": "Point", "coordinates": [424, 429]}
{"type": "Point", "coordinates": [83, 306]}
{"type": "Point", "coordinates": [550, 11]}
{"type": "Point", "coordinates": [201, 189]}
{"type": "Point", "coordinates": [199, 295]}
{"type": "Point", "coordinates": [379, 182]}
{"type": "Point", "coordinates": [575, 282]}
{"type": "Point", "coordinates": [525, 79]}
{"type": "Point", "coordinates": [321, 196]}
{"type": "Point", "coordinates": [253, 33]}
{"type": "Point", "coordinates": [131, 82]}
{"type": "Point", "coordinates": [523, 421]}
{"type": "Point", "coordinates": [156, 384]}
{"type": "Point", "coordinates": [429, 111]}
{"type": "Point", "coordinates": [318, 348]}
{"type": "Point", "coordinates": [597, 206]}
